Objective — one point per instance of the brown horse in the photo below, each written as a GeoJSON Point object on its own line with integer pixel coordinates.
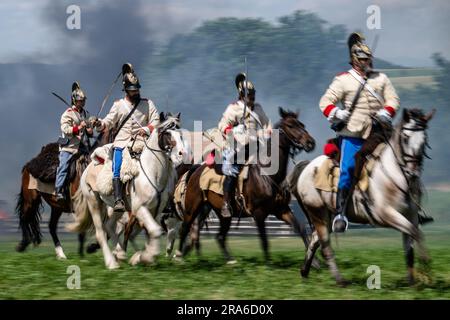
{"type": "Point", "coordinates": [263, 194]}
{"type": "Point", "coordinates": [29, 201]}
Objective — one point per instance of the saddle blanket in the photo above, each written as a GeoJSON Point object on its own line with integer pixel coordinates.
{"type": "Point", "coordinates": [210, 180]}
{"type": "Point", "coordinates": [326, 177]}
{"type": "Point", "coordinates": [44, 187]}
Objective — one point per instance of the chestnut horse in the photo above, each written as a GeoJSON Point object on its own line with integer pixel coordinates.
{"type": "Point", "coordinates": [29, 201]}
{"type": "Point", "coordinates": [263, 194]}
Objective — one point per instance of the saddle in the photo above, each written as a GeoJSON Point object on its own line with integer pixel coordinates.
{"type": "Point", "coordinates": [100, 173]}
{"type": "Point", "coordinates": [210, 180]}
{"type": "Point", "coordinates": [43, 167]}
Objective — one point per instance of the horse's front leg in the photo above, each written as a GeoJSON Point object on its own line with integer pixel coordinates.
{"type": "Point", "coordinates": [225, 223]}
{"type": "Point", "coordinates": [113, 230]}
{"type": "Point", "coordinates": [96, 209]}
{"type": "Point", "coordinates": [152, 247]}
{"type": "Point", "coordinates": [327, 251]}
{"type": "Point", "coordinates": [309, 256]}
{"type": "Point", "coordinates": [81, 240]}
{"type": "Point", "coordinates": [53, 226]}
{"type": "Point", "coordinates": [409, 255]}
{"type": "Point", "coordinates": [260, 218]}
{"type": "Point", "coordinates": [299, 227]}
{"type": "Point", "coordinates": [173, 229]}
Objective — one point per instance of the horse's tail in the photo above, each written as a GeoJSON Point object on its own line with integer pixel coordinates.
{"type": "Point", "coordinates": [83, 220]}
{"type": "Point", "coordinates": [292, 180]}
{"type": "Point", "coordinates": [28, 208]}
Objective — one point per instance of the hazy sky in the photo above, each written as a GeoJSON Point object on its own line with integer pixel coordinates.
{"type": "Point", "coordinates": [411, 30]}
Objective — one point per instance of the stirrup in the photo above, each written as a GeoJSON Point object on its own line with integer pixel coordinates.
{"type": "Point", "coordinates": [339, 219]}
{"type": "Point", "coordinates": [226, 210]}
{"type": "Point", "coordinates": [60, 197]}
{"type": "Point", "coordinates": [119, 206]}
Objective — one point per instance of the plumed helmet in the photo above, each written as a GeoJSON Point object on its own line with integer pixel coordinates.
{"type": "Point", "coordinates": [130, 80]}
{"type": "Point", "coordinates": [242, 84]}
{"type": "Point", "coordinates": [357, 48]}
{"type": "Point", "coordinates": [77, 93]}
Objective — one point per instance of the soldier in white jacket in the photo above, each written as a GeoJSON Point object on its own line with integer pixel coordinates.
{"type": "Point", "coordinates": [141, 122]}
{"type": "Point", "coordinates": [377, 98]}
{"type": "Point", "coordinates": [243, 129]}
{"type": "Point", "coordinates": [73, 126]}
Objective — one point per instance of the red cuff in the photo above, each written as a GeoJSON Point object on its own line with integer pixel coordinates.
{"type": "Point", "coordinates": [75, 130]}
{"type": "Point", "coordinates": [328, 109]}
{"type": "Point", "coordinates": [151, 128]}
{"type": "Point", "coordinates": [228, 128]}
{"type": "Point", "coordinates": [390, 110]}
{"type": "Point", "coordinates": [330, 149]}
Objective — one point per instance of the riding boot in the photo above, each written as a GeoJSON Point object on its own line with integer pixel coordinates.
{"type": "Point", "coordinates": [228, 191]}
{"type": "Point", "coordinates": [340, 221]}
{"type": "Point", "coordinates": [119, 205]}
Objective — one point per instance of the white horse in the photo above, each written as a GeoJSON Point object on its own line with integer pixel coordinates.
{"type": "Point", "coordinates": [148, 195]}
{"type": "Point", "coordinates": [392, 199]}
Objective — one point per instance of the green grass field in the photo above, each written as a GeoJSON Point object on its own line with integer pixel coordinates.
{"type": "Point", "coordinates": [36, 274]}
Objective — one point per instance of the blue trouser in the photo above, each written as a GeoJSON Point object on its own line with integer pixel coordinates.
{"type": "Point", "coordinates": [63, 169]}
{"type": "Point", "coordinates": [117, 162]}
{"type": "Point", "coordinates": [349, 147]}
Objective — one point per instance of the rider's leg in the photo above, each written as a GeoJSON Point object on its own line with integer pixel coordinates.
{"type": "Point", "coordinates": [61, 173]}
{"type": "Point", "coordinates": [229, 186]}
{"type": "Point", "coordinates": [349, 147]}
{"type": "Point", "coordinates": [119, 204]}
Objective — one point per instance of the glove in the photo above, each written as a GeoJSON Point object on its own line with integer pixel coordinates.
{"type": "Point", "coordinates": [239, 129]}
{"type": "Point", "coordinates": [384, 116]}
{"type": "Point", "coordinates": [97, 123]}
{"type": "Point", "coordinates": [337, 115]}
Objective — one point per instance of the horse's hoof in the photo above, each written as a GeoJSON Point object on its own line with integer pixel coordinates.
{"type": "Point", "coordinates": [113, 265]}
{"type": "Point", "coordinates": [93, 247]}
{"type": "Point", "coordinates": [135, 259]}
{"type": "Point", "coordinates": [60, 253]}
{"type": "Point", "coordinates": [316, 264]}
{"type": "Point", "coordinates": [343, 283]}
{"type": "Point", "coordinates": [21, 247]}
{"type": "Point", "coordinates": [148, 258]}
{"type": "Point", "coordinates": [120, 255]}
{"type": "Point", "coordinates": [304, 273]}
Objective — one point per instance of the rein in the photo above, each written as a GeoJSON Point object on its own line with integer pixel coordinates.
{"type": "Point", "coordinates": [153, 150]}
{"type": "Point", "coordinates": [402, 162]}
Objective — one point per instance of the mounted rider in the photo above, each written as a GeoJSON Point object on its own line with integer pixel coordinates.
{"type": "Point", "coordinates": [364, 93]}
{"type": "Point", "coordinates": [74, 125]}
{"type": "Point", "coordinates": [134, 118]}
{"type": "Point", "coordinates": [240, 129]}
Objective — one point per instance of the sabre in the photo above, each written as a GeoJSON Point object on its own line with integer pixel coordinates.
{"type": "Point", "coordinates": [62, 99]}
{"type": "Point", "coordinates": [207, 136]}
{"type": "Point", "coordinates": [108, 94]}
{"type": "Point", "coordinates": [245, 91]}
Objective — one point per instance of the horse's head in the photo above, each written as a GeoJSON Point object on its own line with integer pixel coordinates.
{"type": "Point", "coordinates": [295, 131]}
{"type": "Point", "coordinates": [413, 137]}
{"type": "Point", "coordinates": [169, 121]}
{"type": "Point", "coordinates": [172, 141]}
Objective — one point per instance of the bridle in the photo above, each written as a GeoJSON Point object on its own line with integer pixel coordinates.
{"type": "Point", "coordinates": [166, 150]}
{"type": "Point", "coordinates": [295, 147]}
